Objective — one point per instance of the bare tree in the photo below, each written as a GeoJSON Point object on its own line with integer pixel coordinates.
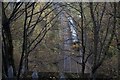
{"type": "Point", "coordinates": [99, 56]}
{"type": "Point", "coordinates": [7, 45]}
{"type": "Point", "coordinates": [28, 10]}
{"type": "Point", "coordinates": [30, 28]}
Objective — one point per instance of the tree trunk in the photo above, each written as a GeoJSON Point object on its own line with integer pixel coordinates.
{"type": "Point", "coordinates": [7, 44]}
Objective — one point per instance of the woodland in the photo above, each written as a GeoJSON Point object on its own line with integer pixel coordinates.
{"type": "Point", "coordinates": [60, 41]}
